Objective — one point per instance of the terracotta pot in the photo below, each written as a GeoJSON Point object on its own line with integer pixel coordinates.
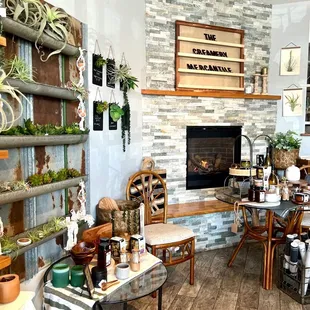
{"type": "Point", "coordinates": [9, 288]}
{"type": "Point", "coordinates": [284, 159]}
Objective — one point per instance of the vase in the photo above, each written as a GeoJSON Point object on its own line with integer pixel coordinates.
{"type": "Point", "coordinates": [284, 159]}
{"type": "Point", "coordinates": [9, 288]}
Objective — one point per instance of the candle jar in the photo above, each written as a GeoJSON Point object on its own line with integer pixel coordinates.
{"type": "Point", "coordinates": [77, 276]}
{"type": "Point", "coordinates": [60, 275]}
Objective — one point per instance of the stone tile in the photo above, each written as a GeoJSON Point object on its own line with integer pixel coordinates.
{"type": "Point", "coordinates": [182, 303]}
{"type": "Point", "coordinates": [190, 290]}
{"type": "Point", "coordinates": [287, 303]}
{"type": "Point", "coordinates": [269, 299]}
{"type": "Point", "coordinates": [249, 291]}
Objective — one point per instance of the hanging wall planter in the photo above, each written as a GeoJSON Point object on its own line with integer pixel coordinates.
{"type": "Point", "coordinates": [11, 142]}
{"type": "Point", "coordinates": [42, 89]}
{"type": "Point", "coordinates": [9, 197]}
{"type": "Point", "coordinates": [27, 33]}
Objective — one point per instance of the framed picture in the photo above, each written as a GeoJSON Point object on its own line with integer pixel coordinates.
{"type": "Point", "coordinates": [292, 102]}
{"type": "Point", "coordinates": [290, 61]}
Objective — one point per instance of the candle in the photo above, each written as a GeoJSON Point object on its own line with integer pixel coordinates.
{"type": "Point", "coordinates": [60, 275]}
{"type": "Point", "coordinates": [77, 276]}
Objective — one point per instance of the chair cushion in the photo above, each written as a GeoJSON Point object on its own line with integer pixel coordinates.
{"type": "Point", "coordinates": [166, 233]}
{"type": "Point", "coordinates": [306, 219]}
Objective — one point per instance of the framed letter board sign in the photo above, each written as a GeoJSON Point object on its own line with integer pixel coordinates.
{"type": "Point", "coordinates": [209, 57]}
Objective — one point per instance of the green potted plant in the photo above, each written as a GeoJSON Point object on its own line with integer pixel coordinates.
{"type": "Point", "coordinates": [285, 149]}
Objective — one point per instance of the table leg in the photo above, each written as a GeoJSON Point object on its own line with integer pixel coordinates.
{"type": "Point", "coordinates": [268, 263]}
{"type": "Point", "coordinates": [125, 306]}
{"type": "Point", "coordinates": [160, 297]}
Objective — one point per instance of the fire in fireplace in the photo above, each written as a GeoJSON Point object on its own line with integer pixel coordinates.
{"type": "Point", "coordinates": [210, 152]}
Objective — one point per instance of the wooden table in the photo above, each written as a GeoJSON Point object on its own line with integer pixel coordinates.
{"type": "Point", "coordinates": [284, 218]}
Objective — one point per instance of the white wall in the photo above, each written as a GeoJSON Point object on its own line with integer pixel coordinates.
{"type": "Point", "coordinates": [290, 23]}
{"type": "Point", "coordinates": [120, 24]}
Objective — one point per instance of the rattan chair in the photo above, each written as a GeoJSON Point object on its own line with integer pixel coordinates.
{"type": "Point", "coordinates": [174, 244]}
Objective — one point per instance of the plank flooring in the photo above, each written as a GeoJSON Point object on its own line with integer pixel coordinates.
{"type": "Point", "coordinates": [219, 287]}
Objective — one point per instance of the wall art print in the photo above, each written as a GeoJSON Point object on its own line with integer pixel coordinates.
{"type": "Point", "coordinates": [292, 102]}
{"type": "Point", "coordinates": [290, 61]}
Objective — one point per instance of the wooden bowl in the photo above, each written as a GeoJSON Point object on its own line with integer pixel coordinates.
{"type": "Point", "coordinates": [83, 248]}
{"type": "Point", "coordinates": [82, 259]}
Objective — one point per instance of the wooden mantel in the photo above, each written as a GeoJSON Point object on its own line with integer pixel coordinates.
{"type": "Point", "coordinates": [213, 94]}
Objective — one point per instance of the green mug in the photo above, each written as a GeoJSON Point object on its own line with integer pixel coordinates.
{"type": "Point", "coordinates": [77, 276]}
{"type": "Point", "coordinates": [60, 275]}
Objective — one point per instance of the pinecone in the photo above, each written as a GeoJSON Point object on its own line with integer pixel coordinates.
{"type": "Point", "coordinates": [73, 173]}
{"type": "Point", "coordinates": [36, 180]}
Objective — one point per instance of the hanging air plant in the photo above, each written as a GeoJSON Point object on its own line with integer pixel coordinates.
{"type": "Point", "coordinates": [18, 69]}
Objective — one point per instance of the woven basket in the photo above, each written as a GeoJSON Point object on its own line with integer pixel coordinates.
{"type": "Point", "coordinates": [124, 220]}
{"type": "Point", "coordinates": [284, 159]}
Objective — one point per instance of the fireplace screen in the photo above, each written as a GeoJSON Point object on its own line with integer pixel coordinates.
{"type": "Point", "coordinates": [210, 152]}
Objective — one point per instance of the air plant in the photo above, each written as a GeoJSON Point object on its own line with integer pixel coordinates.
{"type": "Point", "coordinates": [290, 65]}
{"type": "Point", "coordinates": [7, 186]}
{"type": "Point", "coordinates": [292, 101]}
{"type": "Point", "coordinates": [79, 89]}
{"type": "Point", "coordinates": [55, 23]}
{"type": "Point", "coordinates": [8, 245]}
{"type": "Point", "coordinates": [28, 12]}
{"type": "Point", "coordinates": [122, 74]}
{"type": "Point", "coordinates": [100, 62]}
{"type": "Point", "coordinates": [18, 69]}
{"type": "Point", "coordinates": [14, 93]}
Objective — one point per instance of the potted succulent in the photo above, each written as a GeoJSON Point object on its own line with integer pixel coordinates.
{"type": "Point", "coordinates": [285, 149]}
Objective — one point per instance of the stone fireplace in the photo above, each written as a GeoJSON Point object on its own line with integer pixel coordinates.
{"type": "Point", "coordinates": [210, 151]}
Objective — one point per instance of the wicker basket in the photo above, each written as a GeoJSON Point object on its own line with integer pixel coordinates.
{"type": "Point", "coordinates": [284, 159]}
{"type": "Point", "coordinates": [124, 220]}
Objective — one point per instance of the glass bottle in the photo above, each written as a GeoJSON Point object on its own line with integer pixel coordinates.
{"type": "Point", "coordinates": [273, 182]}
{"type": "Point", "coordinates": [104, 253]}
{"type": "Point", "coordinates": [135, 260]}
{"type": "Point", "coordinates": [267, 162]}
{"type": "Point", "coordinates": [260, 194]}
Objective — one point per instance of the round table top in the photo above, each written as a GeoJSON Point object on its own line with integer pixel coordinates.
{"type": "Point", "coordinates": [143, 285]}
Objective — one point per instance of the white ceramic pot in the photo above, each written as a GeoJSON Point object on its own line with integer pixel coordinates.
{"type": "Point", "coordinates": [292, 173]}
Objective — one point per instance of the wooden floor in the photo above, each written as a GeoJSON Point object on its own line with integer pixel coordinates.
{"type": "Point", "coordinates": [219, 287]}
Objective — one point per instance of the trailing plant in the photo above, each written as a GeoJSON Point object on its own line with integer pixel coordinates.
{"type": "Point", "coordinates": [18, 69]}
{"type": "Point", "coordinates": [126, 121]}
{"type": "Point", "coordinates": [43, 130]}
{"type": "Point", "coordinates": [79, 89]}
{"type": "Point", "coordinates": [115, 111]}
{"type": "Point", "coordinates": [100, 62]}
{"type": "Point", "coordinates": [101, 106]}
{"type": "Point", "coordinates": [286, 141]}
{"type": "Point", "coordinates": [292, 101]}
{"type": "Point", "coordinates": [52, 176]}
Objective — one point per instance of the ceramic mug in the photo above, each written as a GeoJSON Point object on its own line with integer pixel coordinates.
{"type": "Point", "coordinates": [301, 197]}
{"type": "Point", "coordinates": [122, 271]}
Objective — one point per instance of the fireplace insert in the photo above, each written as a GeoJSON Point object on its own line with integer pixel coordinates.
{"type": "Point", "coordinates": [210, 152]}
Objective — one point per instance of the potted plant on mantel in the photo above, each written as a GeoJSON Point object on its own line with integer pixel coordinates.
{"type": "Point", "coordinates": [285, 149]}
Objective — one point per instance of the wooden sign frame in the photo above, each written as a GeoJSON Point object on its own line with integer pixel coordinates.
{"type": "Point", "coordinates": [205, 63]}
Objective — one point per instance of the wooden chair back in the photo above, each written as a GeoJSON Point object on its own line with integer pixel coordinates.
{"type": "Point", "coordinates": [304, 171]}
{"type": "Point", "coordinates": [148, 187]}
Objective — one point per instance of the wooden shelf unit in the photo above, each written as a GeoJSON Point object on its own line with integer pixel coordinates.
{"type": "Point", "coordinates": [212, 94]}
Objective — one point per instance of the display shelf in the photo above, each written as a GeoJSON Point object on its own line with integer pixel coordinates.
{"type": "Point", "coordinates": [8, 197]}
{"type": "Point", "coordinates": [24, 32]}
{"type": "Point", "coordinates": [33, 245]}
{"type": "Point", "coordinates": [213, 94]}
{"type": "Point", "coordinates": [43, 90]}
{"type": "Point", "coordinates": [24, 141]}
{"type": "Point", "coordinates": [4, 154]}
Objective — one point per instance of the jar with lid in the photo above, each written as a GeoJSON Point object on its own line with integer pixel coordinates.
{"type": "Point", "coordinates": [135, 260]}
{"type": "Point", "coordinates": [104, 253]}
{"type": "Point", "coordinates": [260, 194]}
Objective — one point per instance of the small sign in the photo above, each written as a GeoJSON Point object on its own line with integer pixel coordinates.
{"type": "Point", "coordinates": [97, 71]}
{"type": "Point", "coordinates": [97, 117]}
{"type": "Point", "coordinates": [112, 124]}
{"type": "Point", "coordinates": [110, 75]}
